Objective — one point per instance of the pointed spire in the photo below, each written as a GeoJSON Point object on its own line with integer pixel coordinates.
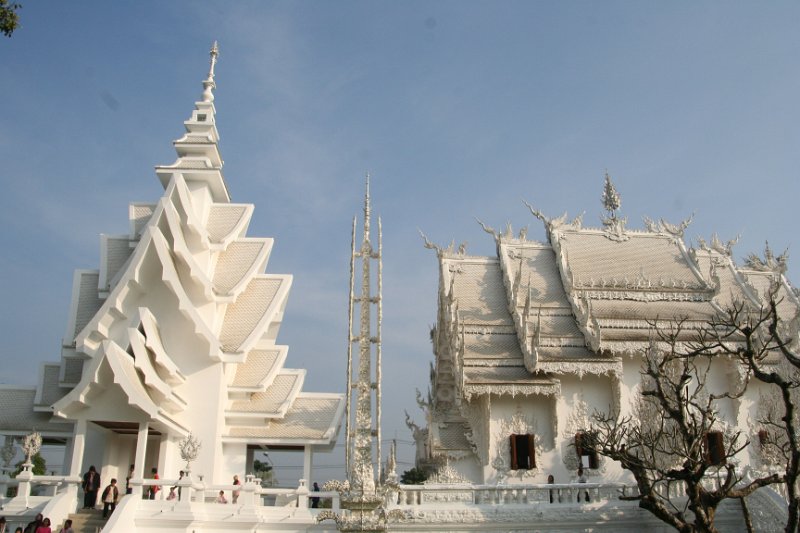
{"type": "Point", "coordinates": [208, 83]}
{"type": "Point", "coordinates": [366, 208]}
{"type": "Point", "coordinates": [614, 225]}
{"type": "Point", "coordinates": [611, 198]}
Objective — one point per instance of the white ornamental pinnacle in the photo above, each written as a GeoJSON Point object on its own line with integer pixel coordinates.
{"type": "Point", "coordinates": [360, 432]}
{"type": "Point", "coordinates": [190, 447]}
{"type": "Point", "coordinates": [611, 198]}
{"type": "Point", "coordinates": [208, 83]}
{"type": "Point", "coordinates": [31, 445]}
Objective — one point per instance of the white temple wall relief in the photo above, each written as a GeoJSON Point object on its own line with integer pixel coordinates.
{"type": "Point", "coordinates": [581, 398]}
{"type": "Point", "coordinates": [521, 415]}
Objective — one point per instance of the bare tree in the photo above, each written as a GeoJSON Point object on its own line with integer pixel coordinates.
{"type": "Point", "coordinates": [767, 345]}
{"type": "Point", "coordinates": [680, 452]}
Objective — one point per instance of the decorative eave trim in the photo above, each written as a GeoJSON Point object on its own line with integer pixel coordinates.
{"type": "Point", "coordinates": [96, 330]}
{"type": "Point", "coordinates": [155, 344]}
{"type": "Point", "coordinates": [196, 272]}
{"type": "Point", "coordinates": [579, 368]}
{"type": "Point", "coordinates": [170, 277]}
{"type": "Point", "coordinates": [510, 389]}
{"type": "Point", "coordinates": [181, 197]}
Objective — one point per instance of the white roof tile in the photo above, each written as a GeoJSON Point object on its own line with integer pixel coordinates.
{"type": "Point", "coordinates": [308, 418]}
{"type": "Point", "coordinates": [242, 316]}
{"type": "Point", "coordinates": [256, 367]}
{"type": "Point", "coordinates": [235, 262]}
{"type": "Point", "coordinates": [479, 289]}
{"type": "Point", "coordinates": [17, 414]}
{"type": "Point", "coordinates": [223, 219]}
{"type": "Point", "coordinates": [88, 301]}
{"type": "Point", "coordinates": [271, 401]}
{"type": "Point", "coordinates": [592, 255]}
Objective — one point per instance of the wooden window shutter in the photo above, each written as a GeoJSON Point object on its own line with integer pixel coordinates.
{"type": "Point", "coordinates": [579, 444]}
{"type": "Point", "coordinates": [514, 464]}
{"type": "Point", "coordinates": [531, 453]}
{"type": "Point", "coordinates": [715, 448]}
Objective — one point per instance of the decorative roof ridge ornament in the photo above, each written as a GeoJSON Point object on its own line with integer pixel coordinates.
{"type": "Point", "coordinates": [208, 83]}
{"type": "Point", "coordinates": [770, 263]}
{"type": "Point", "coordinates": [614, 225]}
{"type": "Point", "coordinates": [716, 245]}
{"type": "Point", "coordinates": [552, 224]}
{"type": "Point", "coordinates": [442, 251]}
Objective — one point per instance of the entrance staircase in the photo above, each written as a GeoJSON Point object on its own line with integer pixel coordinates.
{"type": "Point", "coordinates": [87, 521]}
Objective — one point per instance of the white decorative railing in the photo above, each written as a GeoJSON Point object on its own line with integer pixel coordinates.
{"type": "Point", "coordinates": [527, 494]}
{"type": "Point", "coordinates": [251, 493]}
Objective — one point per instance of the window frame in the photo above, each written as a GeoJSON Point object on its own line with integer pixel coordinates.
{"type": "Point", "coordinates": [594, 457]}
{"type": "Point", "coordinates": [516, 460]}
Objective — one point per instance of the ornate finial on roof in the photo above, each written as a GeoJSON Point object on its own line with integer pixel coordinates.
{"type": "Point", "coordinates": [615, 226]}
{"type": "Point", "coordinates": [208, 83]}
{"type": "Point", "coordinates": [611, 198]}
{"type": "Point", "coordinates": [770, 263]}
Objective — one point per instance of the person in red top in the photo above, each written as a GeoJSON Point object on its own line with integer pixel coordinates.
{"type": "Point", "coordinates": [45, 527]}
{"type": "Point", "coordinates": [151, 493]}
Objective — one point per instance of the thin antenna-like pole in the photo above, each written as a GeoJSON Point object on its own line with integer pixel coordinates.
{"type": "Point", "coordinates": [350, 348]}
{"type": "Point", "coordinates": [378, 349]}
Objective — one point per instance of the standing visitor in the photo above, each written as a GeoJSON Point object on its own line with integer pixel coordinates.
{"type": "Point", "coordinates": [582, 479]}
{"type": "Point", "coordinates": [91, 484]}
{"type": "Point", "coordinates": [3, 525]}
{"type": "Point", "coordinates": [128, 487]}
{"type": "Point", "coordinates": [45, 527]}
{"type": "Point", "coordinates": [151, 493]}
{"type": "Point", "coordinates": [110, 498]}
{"type": "Point", "coordinates": [177, 486]}
{"type": "Point", "coordinates": [67, 527]}
{"type": "Point", "coordinates": [235, 493]}
{"type": "Point", "coordinates": [315, 499]}
{"type": "Point", "coordinates": [34, 525]}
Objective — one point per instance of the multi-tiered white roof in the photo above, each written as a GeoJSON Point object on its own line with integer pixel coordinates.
{"type": "Point", "coordinates": [179, 324]}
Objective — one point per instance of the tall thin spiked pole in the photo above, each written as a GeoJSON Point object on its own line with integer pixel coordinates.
{"type": "Point", "coordinates": [378, 349]}
{"type": "Point", "coordinates": [350, 348]}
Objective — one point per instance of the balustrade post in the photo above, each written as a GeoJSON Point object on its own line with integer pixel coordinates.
{"type": "Point", "coordinates": [4, 479]}
{"type": "Point", "coordinates": [24, 488]}
{"type": "Point", "coordinates": [185, 490]}
{"type": "Point", "coordinates": [302, 494]}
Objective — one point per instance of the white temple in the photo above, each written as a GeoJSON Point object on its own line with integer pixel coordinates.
{"type": "Point", "coordinates": [173, 341]}
{"type": "Point", "coordinates": [176, 333]}
{"type": "Point", "coordinates": [530, 342]}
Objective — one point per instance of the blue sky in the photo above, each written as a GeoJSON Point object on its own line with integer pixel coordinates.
{"type": "Point", "coordinates": [457, 109]}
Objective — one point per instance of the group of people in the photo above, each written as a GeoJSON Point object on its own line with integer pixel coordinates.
{"type": "Point", "coordinates": [234, 493]}
{"type": "Point", "coordinates": [40, 524]}
{"type": "Point", "coordinates": [110, 496]}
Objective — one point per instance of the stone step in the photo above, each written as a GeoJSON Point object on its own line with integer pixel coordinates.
{"type": "Point", "coordinates": [87, 521]}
